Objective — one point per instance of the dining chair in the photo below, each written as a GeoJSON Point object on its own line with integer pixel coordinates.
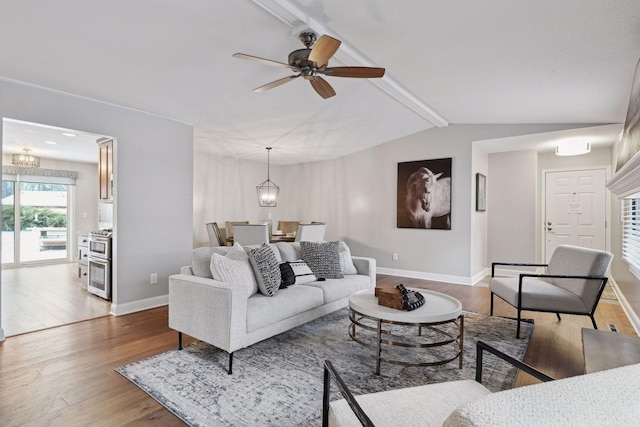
{"type": "Point", "coordinates": [572, 283]}
{"type": "Point", "coordinates": [310, 232]}
{"type": "Point", "coordinates": [229, 225]}
{"type": "Point", "coordinates": [288, 226]}
{"type": "Point", "coordinates": [215, 236]}
{"type": "Point", "coordinates": [250, 234]}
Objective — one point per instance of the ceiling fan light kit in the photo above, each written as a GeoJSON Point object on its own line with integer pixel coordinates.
{"type": "Point", "coordinates": [310, 63]}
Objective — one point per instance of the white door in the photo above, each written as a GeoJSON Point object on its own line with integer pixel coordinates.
{"type": "Point", "coordinates": [575, 209]}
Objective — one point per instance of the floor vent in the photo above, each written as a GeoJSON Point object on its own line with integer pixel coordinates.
{"type": "Point", "coordinates": [612, 327]}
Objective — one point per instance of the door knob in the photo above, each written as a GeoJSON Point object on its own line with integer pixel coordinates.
{"type": "Point", "coordinates": [549, 223]}
{"type": "Point", "coordinates": [548, 228]}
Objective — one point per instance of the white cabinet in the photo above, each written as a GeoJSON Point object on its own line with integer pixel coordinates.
{"type": "Point", "coordinates": [83, 258]}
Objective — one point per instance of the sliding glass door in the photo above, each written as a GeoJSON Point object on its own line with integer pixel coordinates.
{"type": "Point", "coordinates": [34, 222]}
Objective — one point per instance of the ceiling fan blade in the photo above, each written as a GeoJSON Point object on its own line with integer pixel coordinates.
{"type": "Point", "coordinates": [358, 72]}
{"type": "Point", "coordinates": [276, 83]}
{"type": "Point", "coordinates": [262, 60]}
{"type": "Point", "coordinates": [323, 88]}
{"type": "Point", "coordinates": [324, 49]}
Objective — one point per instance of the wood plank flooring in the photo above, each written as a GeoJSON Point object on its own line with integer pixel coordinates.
{"type": "Point", "coordinates": [45, 296]}
{"type": "Point", "coordinates": [65, 376]}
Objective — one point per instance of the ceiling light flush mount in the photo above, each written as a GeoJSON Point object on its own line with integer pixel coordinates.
{"type": "Point", "coordinates": [25, 160]}
{"type": "Point", "coordinates": [268, 191]}
{"type": "Point", "coordinates": [572, 148]}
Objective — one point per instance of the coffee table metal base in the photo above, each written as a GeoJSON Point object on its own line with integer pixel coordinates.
{"type": "Point", "coordinates": [389, 338]}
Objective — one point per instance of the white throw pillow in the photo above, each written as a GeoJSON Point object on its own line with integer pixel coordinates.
{"type": "Point", "coordinates": [234, 268]}
{"type": "Point", "coordinates": [345, 260]}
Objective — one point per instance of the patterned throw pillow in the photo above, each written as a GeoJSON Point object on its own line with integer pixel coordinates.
{"type": "Point", "coordinates": [323, 258]}
{"type": "Point", "coordinates": [295, 273]}
{"type": "Point", "coordinates": [267, 269]}
{"type": "Point", "coordinates": [234, 268]}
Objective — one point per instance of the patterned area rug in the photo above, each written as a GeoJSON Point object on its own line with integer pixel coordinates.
{"type": "Point", "coordinates": [279, 381]}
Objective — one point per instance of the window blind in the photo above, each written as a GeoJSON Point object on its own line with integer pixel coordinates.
{"type": "Point", "coordinates": [631, 233]}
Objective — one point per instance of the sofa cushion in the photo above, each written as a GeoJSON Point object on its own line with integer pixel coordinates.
{"type": "Point", "coordinates": [266, 269]}
{"type": "Point", "coordinates": [273, 247]}
{"type": "Point", "coordinates": [289, 251]}
{"type": "Point", "coordinates": [427, 405]}
{"type": "Point", "coordinates": [323, 258]}
{"type": "Point", "coordinates": [234, 268]}
{"type": "Point", "coordinates": [335, 289]}
{"type": "Point", "coordinates": [296, 273]}
{"type": "Point", "coordinates": [263, 311]}
{"type": "Point", "coordinates": [201, 259]}
{"type": "Point", "coordinates": [537, 293]}
{"type": "Point", "coordinates": [346, 263]}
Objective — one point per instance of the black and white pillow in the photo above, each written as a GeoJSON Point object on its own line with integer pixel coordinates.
{"type": "Point", "coordinates": [323, 258]}
{"type": "Point", "coordinates": [266, 269]}
{"type": "Point", "coordinates": [295, 273]}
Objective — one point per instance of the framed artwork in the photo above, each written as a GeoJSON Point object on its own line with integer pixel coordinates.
{"type": "Point", "coordinates": [481, 192]}
{"type": "Point", "coordinates": [424, 194]}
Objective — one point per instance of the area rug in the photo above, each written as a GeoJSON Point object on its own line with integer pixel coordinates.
{"type": "Point", "coordinates": [278, 382]}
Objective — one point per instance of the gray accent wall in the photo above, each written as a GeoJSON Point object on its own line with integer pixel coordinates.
{"type": "Point", "coordinates": [153, 207]}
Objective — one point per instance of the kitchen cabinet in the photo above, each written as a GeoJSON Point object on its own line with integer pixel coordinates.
{"type": "Point", "coordinates": [83, 258]}
{"type": "Point", "coordinates": [105, 168]}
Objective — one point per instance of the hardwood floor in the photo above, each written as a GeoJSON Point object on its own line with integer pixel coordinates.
{"type": "Point", "coordinates": [45, 296]}
{"type": "Point", "coordinates": [65, 376]}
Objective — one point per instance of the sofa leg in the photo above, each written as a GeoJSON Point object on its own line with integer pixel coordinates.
{"type": "Point", "coordinates": [230, 363]}
{"type": "Point", "coordinates": [491, 307]}
{"type": "Point", "coordinates": [179, 340]}
{"type": "Point", "coordinates": [558, 316]}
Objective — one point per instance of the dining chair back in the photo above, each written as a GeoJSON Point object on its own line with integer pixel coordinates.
{"type": "Point", "coordinates": [310, 232]}
{"type": "Point", "coordinates": [288, 226]}
{"type": "Point", "coordinates": [215, 235]}
{"type": "Point", "coordinates": [250, 234]}
{"type": "Point", "coordinates": [229, 225]}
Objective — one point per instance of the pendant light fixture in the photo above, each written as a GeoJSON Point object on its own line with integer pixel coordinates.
{"type": "Point", "coordinates": [25, 160]}
{"type": "Point", "coordinates": [268, 191]}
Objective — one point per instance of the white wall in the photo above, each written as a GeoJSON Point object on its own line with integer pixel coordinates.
{"type": "Point", "coordinates": [512, 195]}
{"type": "Point", "coordinates": [225, 190]}
{"type": "Point", "coordinates": [479, 219]}
{"type": "Point", "coordinates": [356, 196]}
{"type": "Point", "coordinates": [153, 205]}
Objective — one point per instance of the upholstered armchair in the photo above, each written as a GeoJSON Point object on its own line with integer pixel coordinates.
{"type": "Point", "coordinates": [573, 283]}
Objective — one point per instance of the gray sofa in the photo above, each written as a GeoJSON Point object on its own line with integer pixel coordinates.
{"type": "Point", "coordinates": [226, 316]}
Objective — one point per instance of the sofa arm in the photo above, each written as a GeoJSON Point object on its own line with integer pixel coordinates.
{"type": "Point", "coordinates": [209, 310]}
{"type": "Point", "coordinates": [367, 267]}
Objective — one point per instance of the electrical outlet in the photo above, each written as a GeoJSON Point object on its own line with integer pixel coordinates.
{"type": "Point", "coordinates": [153, 278]}
{"type": "Point", "coordinates": [394, 256]}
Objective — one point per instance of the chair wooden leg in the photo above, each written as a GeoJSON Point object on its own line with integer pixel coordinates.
{"type": "Point", "coordinates": [558, 316]}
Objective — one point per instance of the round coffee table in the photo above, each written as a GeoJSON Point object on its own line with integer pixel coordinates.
{"type": "Point", "coordinates": [437, 313]}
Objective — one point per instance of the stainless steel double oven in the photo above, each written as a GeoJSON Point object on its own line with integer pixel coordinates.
{"type": "Point", "coordinates": [100, 263]}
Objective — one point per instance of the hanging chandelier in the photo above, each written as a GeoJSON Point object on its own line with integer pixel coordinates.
{"type": "Point", "coordinates": [268, 191]}
{"type": "Point", "coordinates": [25, 160]}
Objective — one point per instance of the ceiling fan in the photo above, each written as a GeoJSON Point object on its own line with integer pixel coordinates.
{"type": "Point", "coordinates": [311, 63]}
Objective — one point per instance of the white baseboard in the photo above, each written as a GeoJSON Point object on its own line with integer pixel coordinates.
{"type": "Point", "coordinates": [139, 305]}
{"type": "Point", "coordinates": [458, 280]}
{"type": "Point", "coordinates": [631, 315]}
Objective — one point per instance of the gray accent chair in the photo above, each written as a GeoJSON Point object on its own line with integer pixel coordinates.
{"type": "Point", "coordinates": [572, 284]}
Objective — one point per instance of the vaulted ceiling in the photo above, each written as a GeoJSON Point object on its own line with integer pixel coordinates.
{"type": "Point", "coordinates": [494, 61]}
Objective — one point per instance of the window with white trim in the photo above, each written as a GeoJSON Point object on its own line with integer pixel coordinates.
{"type": "Point", "coordinates": [631, 233]}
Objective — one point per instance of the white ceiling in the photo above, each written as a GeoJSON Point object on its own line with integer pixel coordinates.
{"type": "Point", "coordinates": [495, 61]}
